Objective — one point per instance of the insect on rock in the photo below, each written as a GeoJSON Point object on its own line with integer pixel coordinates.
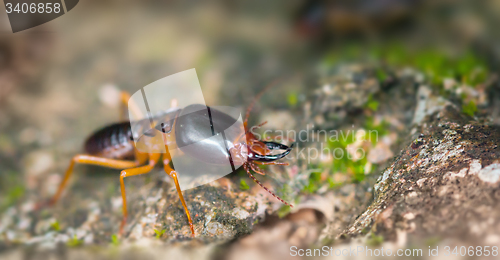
{"type": "Point", "coordinates": [202, 136]}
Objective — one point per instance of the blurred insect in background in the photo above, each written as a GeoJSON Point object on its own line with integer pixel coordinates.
{"type": "Point", "coordinates": [113, 146]}
{"type": "Point", "coordinates": [323, 21]}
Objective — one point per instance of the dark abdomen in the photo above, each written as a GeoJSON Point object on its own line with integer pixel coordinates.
{"type": "Point", "coordinates": [114, 141]}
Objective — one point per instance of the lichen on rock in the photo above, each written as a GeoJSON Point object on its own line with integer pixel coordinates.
{"type": "Point", "coordinates": [443, 184]}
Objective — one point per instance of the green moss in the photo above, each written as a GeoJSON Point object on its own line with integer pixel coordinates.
{"type": "Point", "coordinates": [333, 184]}
{"type": "Point", "coordinates": [114, 240]}
{"type": "Point", "coordinates": [314, 182]}
{"type": "Point", "coordinates": [159, 233]}
{"type": "Point", "coordinates": [375, 240]}
{"type": "Point", "coordinates": [342, 161]}
{"type": "Point", "coordinates": [359, 173]}
{"type": "Point", "coordinates": [292, 99]}
{"type": "Point", "coordinates": [16, 193]}
{"type": "Point", "coordinates": [472, 69]}
{"type": "Point", "coordinates": [244, 185]}
{"type": "Point", "coordinates": [327, 241]}
{"type": "Point", "coordinates": [372, 104]}
{"type": "Point", "coordinates": [469, 108]}
{"type": "Point", "coordinates": [74, 242]}
{"type": "Point", "coordinates": [13, 194]}
{"type": "Point", "coordinates": [381, 75]}
{"type": "Point", "coordinates": [436, 63]}
{"type": "Point", "coordinates": [283, 211]}
{"type": "Point", "coordinates": [55, 226]}
{"type": "Point", "coordinates": [432, 241]}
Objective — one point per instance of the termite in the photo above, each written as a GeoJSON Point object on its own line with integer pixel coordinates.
{"type": "Point", "coordinates": [113, 146]}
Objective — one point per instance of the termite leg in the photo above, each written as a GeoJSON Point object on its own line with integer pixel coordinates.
{"type": "Point", "coordinates": [153, 159]}
{"type": "Point", "coordinates": [173, 174]}
{"type": "Point", "coordinates": [259, 125]}
{"type": "Point", "coordinates": [129, 103]}
{"type": "Point", "coordinates": [264, 187]}
{"type": "Point", "coordinates": [256, 169]}
{"type": "Point", "coordinates": [93, 160]}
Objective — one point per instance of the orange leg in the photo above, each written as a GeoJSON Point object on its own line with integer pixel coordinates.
{"type": "Point", "coordinates": [124, 98]}
{"type": "Point", "coordinates": [173, 174]}
{"type": "Point", "coordinates": [134, 108]}
{"type": "Point", "coordinates": [93, 160]}
{"type": "Point", "coordinates": [153, 159]}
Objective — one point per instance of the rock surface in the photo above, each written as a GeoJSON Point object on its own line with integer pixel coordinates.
{"type": "Point", "coordinates": [445, 184]}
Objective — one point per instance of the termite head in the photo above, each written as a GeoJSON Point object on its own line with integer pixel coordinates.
{"type": "Point", "coordinates": [266, 154]}
{"type": "Point", "coordinates": [259, 151]}
{"type": "Point", "coordinates": [263, 151]}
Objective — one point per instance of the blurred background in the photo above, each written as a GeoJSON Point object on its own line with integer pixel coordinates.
{"type": "Point", "coordinates": [60, 81]}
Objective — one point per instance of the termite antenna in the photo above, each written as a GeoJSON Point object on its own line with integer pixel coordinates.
{"type": "Point", "coordinates": [264, 187]}
{"type": "Point", "coordinates": [257, 97]}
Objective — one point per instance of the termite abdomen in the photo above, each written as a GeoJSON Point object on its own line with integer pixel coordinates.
{"type": "Point", "coordinates": [114, 141]}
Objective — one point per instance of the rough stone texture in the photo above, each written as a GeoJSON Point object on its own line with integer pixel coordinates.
{"type": "Point", "coordinates": [343, 92]}
{"type": "Point", "coordinates": [220, 212]}
{"type": "Point", "coordinates": [443, 184]}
